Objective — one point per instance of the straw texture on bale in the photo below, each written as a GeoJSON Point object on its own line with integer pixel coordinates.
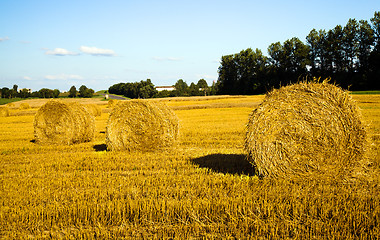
{"type": "Point", "coordinates": [57, 122]}
{"type": "Point", "coordinates": [4, 112]}
{"type": "Point", "coordinates": [141, 125]}
{"type": "Point", "coordinates": [94, 109]}
{"type": "Point", "coordinates": [306, 129]}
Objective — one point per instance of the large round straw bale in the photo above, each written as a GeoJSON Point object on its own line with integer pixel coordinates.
{"type": "Point", "coordinates": [58, 122]}
{"type": "Point", "coordinates": [304, 129]}
{"type": "Point", "coordinates": [141, 125]}
{"type": "Point", "coordinates": [4, 112]}
{"type": "Point", "coordinates": [94, 109]}
{"type": "Point", "coordinates": [24, 106]}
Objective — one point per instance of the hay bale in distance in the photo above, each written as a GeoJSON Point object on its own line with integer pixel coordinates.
{"type": "Point", "coordinates": [4, 112]}
{"type": "Point", "coordinates": [10, 105]}
{"type": "Point", "coordinates": [111, 103]}
{"type": "Point", "coordinates": [305, 129]}
{"type": "Point", "coordinates": [141, 125]}
{"type": "Point", "coordinates": [24, 106]}
{"type": "Point", "coordinates": [94, 109]}
{"type": "Point", "coordinates": [57, 122]}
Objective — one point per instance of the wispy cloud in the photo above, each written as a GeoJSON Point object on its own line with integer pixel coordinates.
{"type": "Point", "coordinates": [27, 78]}
{"type": "Point", "coordinates": [2, 39]}
{"type": "Point", "coordinates": [60, 52]}
{"type": "Point", "coordinates": [63, 77]}
{"type": "Point", "coordinates": [97, 51]}
{"type": "Point", "coordinates": [174, 59]}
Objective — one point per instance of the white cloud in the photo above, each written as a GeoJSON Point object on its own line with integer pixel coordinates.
{"type": "Point", "coordinates": [27, 78]}
{"type": "Point", "coordinates": [97, 51]}
{"type": "Point", "coordinates": [63, 77]}
{"type": "Point", "coordinates": [167, 59]}
{"type": "Point", "coordinates": [60, 52]}
{"type": "Point", "coordinates": [4, 39]}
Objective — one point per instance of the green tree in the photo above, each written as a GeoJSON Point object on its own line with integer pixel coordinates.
{"type": "Point", "coordinates": [5, 92]}
{"type": "Point", "coordinates": [193, 90]}
{"type": "Point", "coordinates": [243, 73]}
{"type": "Point", "coordinates": [366, 41]}
{"type": "Point", "coordinates": [202, 86]}
{"type": "Point", "coordinates": [56, 93]}
{"type": "Point", "coordinates": [85, 92]}
{"type": "Point", "coordinates": [118, 89]}
{"type": "Point", "coordinates": [227, 80]}
{"type": "Point", "coordinates": [24, 93]}
{"type": "Point", "coordinates": [73, 92]}
{"type": "Point", "coordinates": [289, 61]}
{"type": "Point", "coordinates": [45, 93]}
{"type": "Point", "coordinates": [350, 43]}
{"type": "Point", "coordinates": [374, 59]}
{"type": "Point", "coordinates": [142, 89]}
{"type": "Point", "coordinates": [14, 91]}
{"type": "Point", "coordinates": [375, 22]}
{"type": "Point", "coordinates": [181, 88]}
{"type": "Point", "coordinates": [146, 89]}
{"type": "Point", "coordinates": [336, 48]}
{"type": "Point", "coordinates": [82, 91]}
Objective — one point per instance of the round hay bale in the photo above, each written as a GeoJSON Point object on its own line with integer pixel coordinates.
{"type": "Point", "coordinates": [4, 112]}
{"type": "Point", "coordinates": [111, 103]}
{"type": "Point", "coordinates": [24, 106]}
{"type": "Point", "coordinates": [304, 129]}
{"type": "Point", "coordinates": [94, 109]}
{"type": "Point", "coordinates": [11, 105]}
{"type": "Point", "coordinates": [141, 125]}
{"type": "Point", "coordinates": [57, 122]}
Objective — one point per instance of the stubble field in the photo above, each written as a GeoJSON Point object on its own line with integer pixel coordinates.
{"type": "Point", "coordinates": [203, 188]}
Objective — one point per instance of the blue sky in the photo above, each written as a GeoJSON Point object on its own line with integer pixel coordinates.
{"type": "Point", "coordinates": [57, 44]}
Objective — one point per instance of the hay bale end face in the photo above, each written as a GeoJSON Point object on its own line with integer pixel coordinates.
{"type": "Point", "coordinates": [141, 125]}
{"type": "Point", "coordinates": [58, 122]}
{"type": "Point", "coordinates": [304, 129]}
{"type": "Point", "coordinates": [94, 109]}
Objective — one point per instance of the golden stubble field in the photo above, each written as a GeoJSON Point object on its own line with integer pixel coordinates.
{"type": "Point", "coordinates": [203, 188]}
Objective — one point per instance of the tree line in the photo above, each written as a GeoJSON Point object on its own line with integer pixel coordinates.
{"type": "Point", "coordinates": [146, 89]}
{"type": "Point", "coordinates": [44, 92]}
{"type": "Point", "coordinates": [349, 54]}
{"type": "Point", "coordinates": [83, 92]}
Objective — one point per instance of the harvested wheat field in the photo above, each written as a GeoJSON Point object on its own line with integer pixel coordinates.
{"type": "Point", "coordinates": [304, 129]}
{"type": "Point", "coordinates": [201, 188]}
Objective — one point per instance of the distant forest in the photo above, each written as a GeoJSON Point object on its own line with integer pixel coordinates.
{"type": "Point", "coordinates": [349, 55]}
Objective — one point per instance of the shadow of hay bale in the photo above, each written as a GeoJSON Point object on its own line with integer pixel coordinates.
{"type": "Point", "coordinates": [100, 147]}
{"type": "Point", "coordinates": [226, 163]}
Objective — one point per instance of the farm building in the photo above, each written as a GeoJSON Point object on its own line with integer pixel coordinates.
{"type": "Point", "coordinates": [167, 88]}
